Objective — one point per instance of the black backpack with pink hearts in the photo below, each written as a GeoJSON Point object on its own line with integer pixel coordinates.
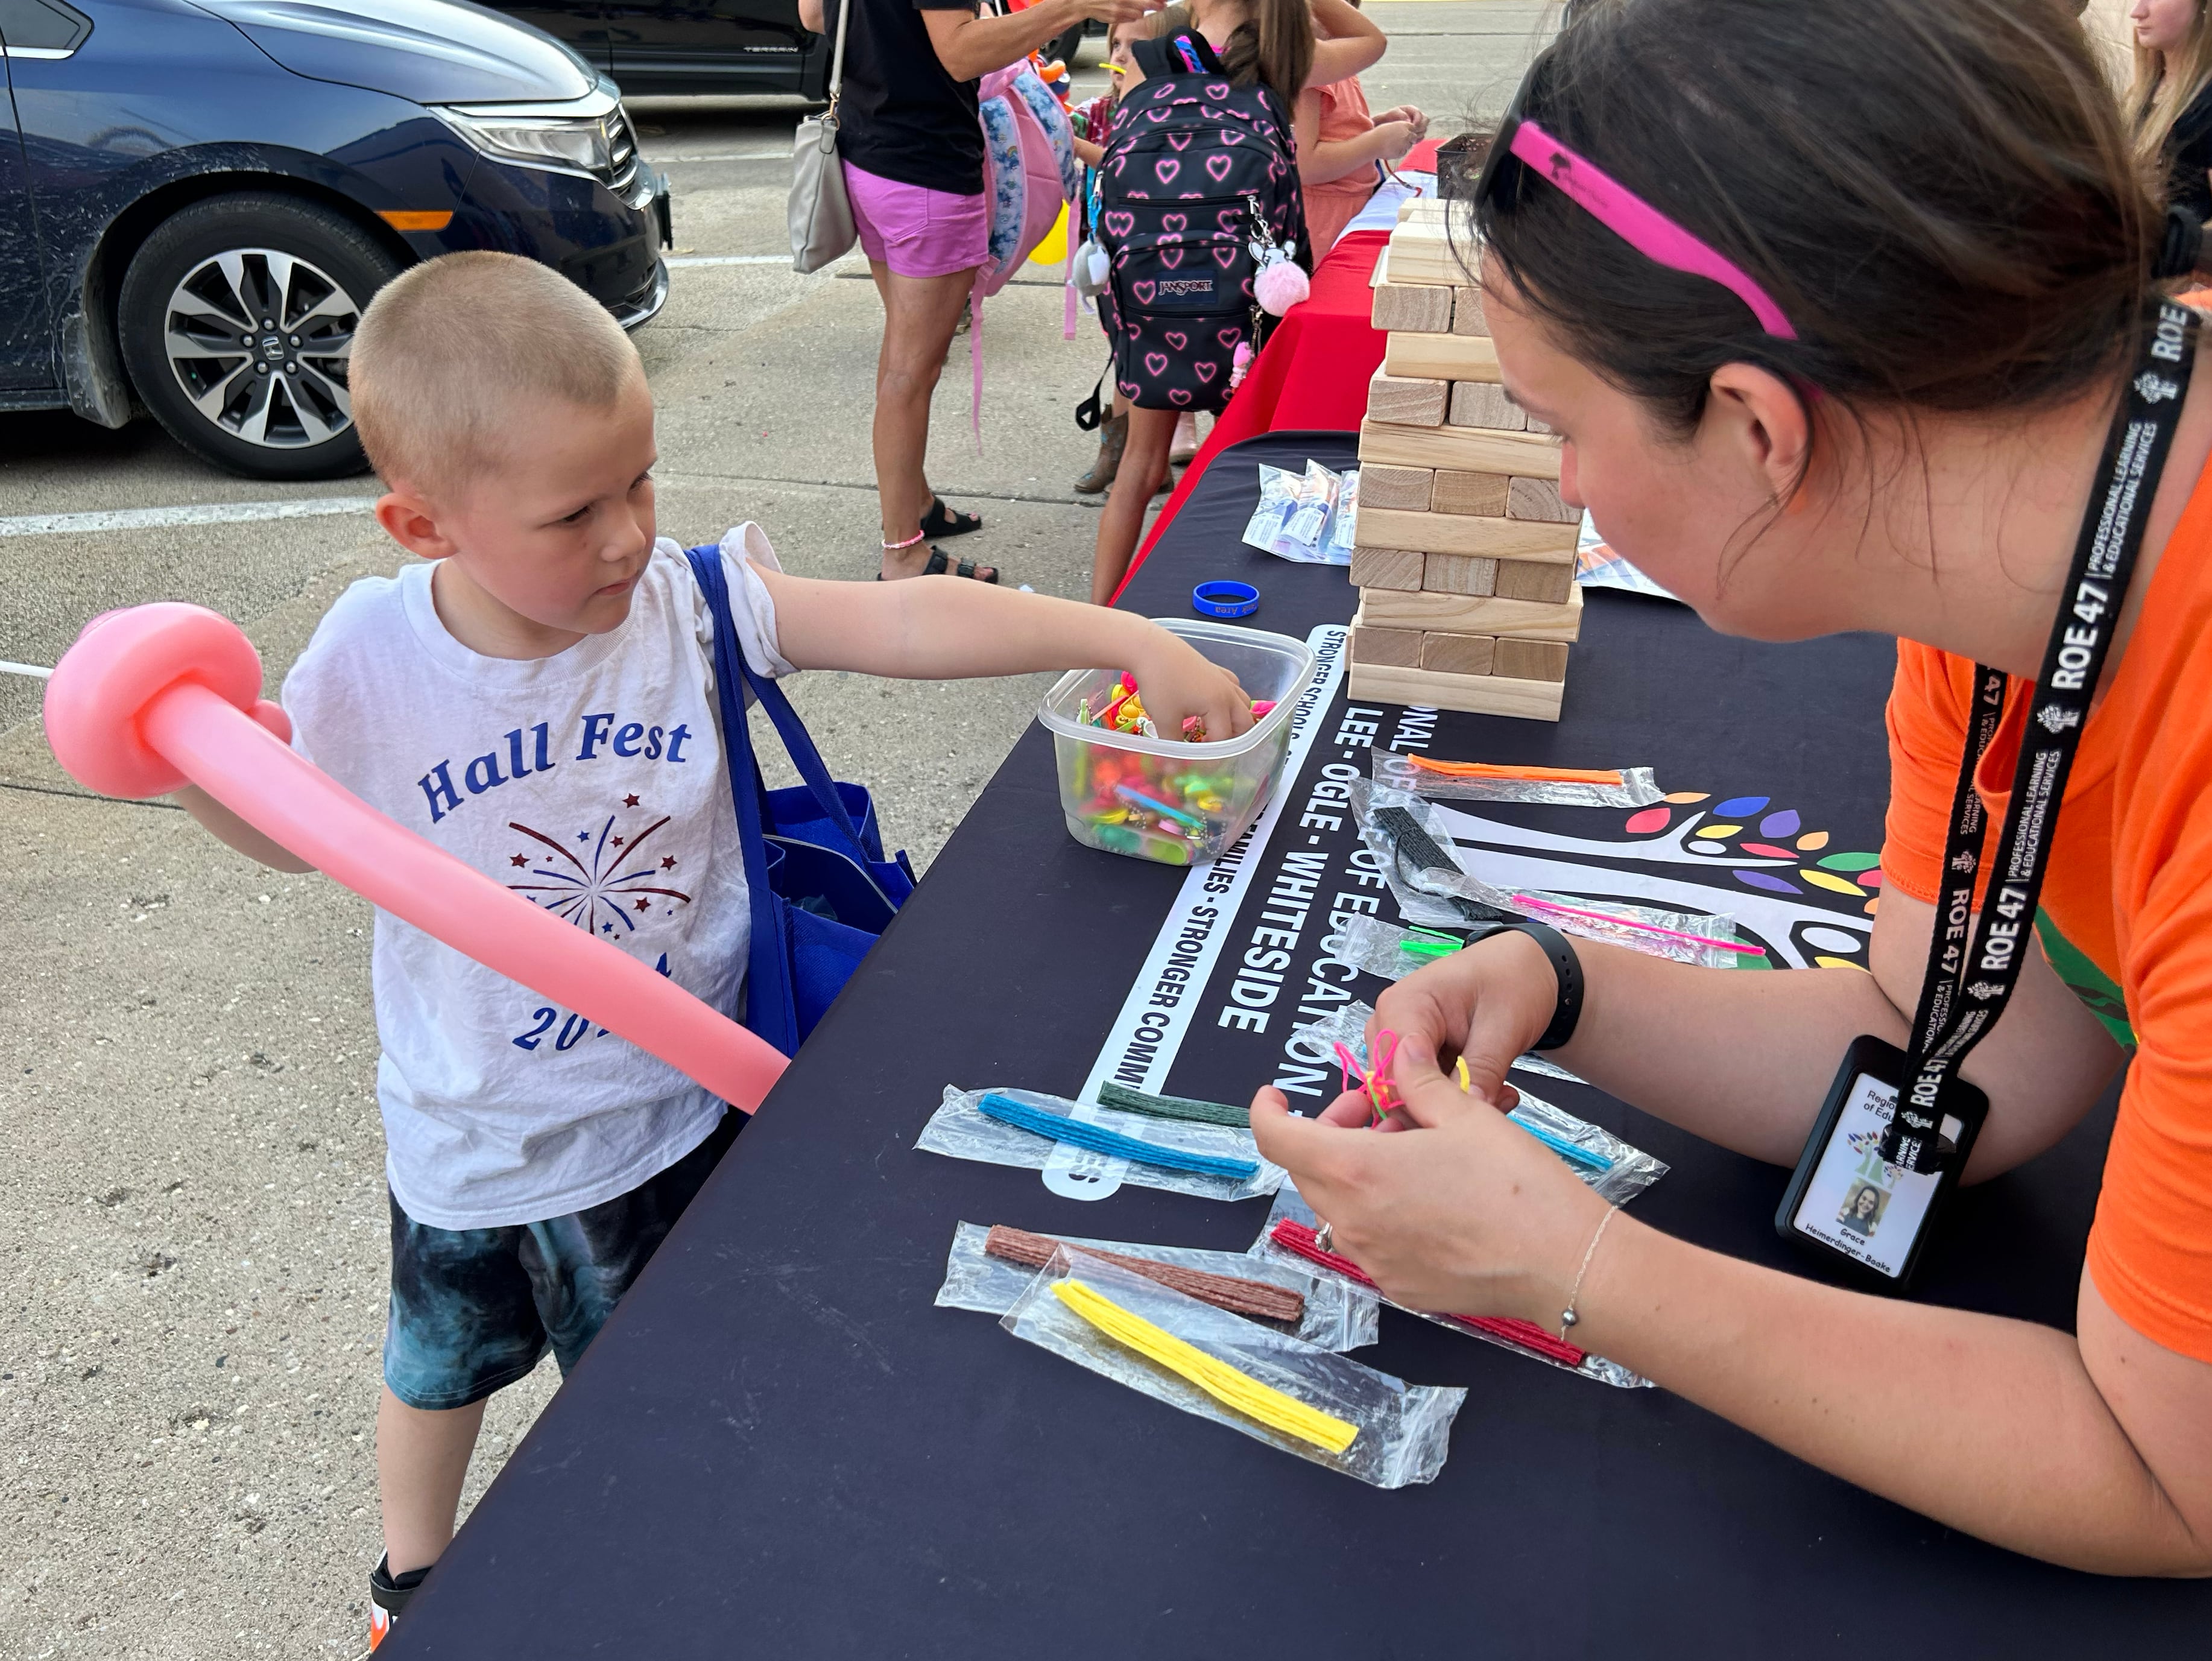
{"type": "Point", "coordinates": [1196, 171]}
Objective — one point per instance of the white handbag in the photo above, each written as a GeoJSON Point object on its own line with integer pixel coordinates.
{"type": "Point", "coordinates": [822, 228]}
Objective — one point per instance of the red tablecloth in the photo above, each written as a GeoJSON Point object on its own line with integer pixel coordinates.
{"type": "Point", "coordinates": [1313, 371]}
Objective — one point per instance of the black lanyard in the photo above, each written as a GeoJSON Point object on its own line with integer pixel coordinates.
{"type": "Point", "coordinates": [1968, 985]}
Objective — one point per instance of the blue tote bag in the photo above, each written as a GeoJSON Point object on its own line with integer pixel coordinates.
{"type": "Point", "coordinates": [821, 889]}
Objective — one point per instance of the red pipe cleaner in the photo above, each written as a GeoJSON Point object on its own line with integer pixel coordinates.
{"type": "Point", "coordinates": [1525, 1335]}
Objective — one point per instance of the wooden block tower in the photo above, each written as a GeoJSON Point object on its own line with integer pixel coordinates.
{"type": "Point", "coordinates": [1465, 558]}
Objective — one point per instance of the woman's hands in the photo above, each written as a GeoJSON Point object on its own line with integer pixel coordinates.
{"type": "Point", "coordinates": [1461, 1213]}
{"type": "Point", "coordinates": [1485, 1005]}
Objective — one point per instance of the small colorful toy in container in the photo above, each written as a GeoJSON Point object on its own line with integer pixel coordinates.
{"type": "Point", "coordinates": [1129, 788]}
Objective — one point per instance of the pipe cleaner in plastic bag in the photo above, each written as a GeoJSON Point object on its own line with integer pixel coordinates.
{"type": "Point", "coordinates": [989, 1269]}
{"type": "Point", "coordinates": [1560, 787]}
{"type": "Point", "coordinates": [1024, 1127]}
{"type": "Point", "coordinates": [1293, 1236]}
{"type": "Point", "coordinates": [1266, 1384]}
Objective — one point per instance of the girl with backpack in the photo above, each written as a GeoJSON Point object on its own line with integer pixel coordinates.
{"type": "Point", "coordinates": [1212, 116]}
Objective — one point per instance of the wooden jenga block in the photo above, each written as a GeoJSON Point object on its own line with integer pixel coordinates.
{"type": "Point", "coordinates": [1458, 655]}
{"type": "Point", "coordinates": [1538, 499]}
{"type": "Point", "coordinates": [1484, 493]}
{"type": "Point", "coordinates": [1421, 253]}
{"type": "Point", "coordinates": [1433, 612]}
{"type": "Point", "coordinates": [1467, 533]}
{"type": "Point", "coordinates": [1413, 309]}
{"type": "Point", "coordinates": [1442, 357]}
{"type": "Point", "coordinates": [1520, 580]}
{"type": "Point", "coordinates": [1527, 660]}
{"type": "Point", "coordinates": [1484, 404]}
{"type": "Point", "coordinates": [1387, 567]}
{"type": "Point", "coordinates": [1481, 695]}
{"type": "Point", "coordinates": [1399, 648]}
{"type": "Point", "coordinates": [1396, 487]}
{"type": "Point", "coordinates": [1465, 449]}
{"type": "Point", "coordinates": [1467, 312]}
{"type": "Point", "coordinates": [1459, 574]}
{"type": "Point", "coordinates": [1424, 210]}
{"type": "Point", "coordinates": [1407, 403]}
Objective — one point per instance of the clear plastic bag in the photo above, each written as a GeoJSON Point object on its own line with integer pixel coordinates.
{"type": "Point", "coordinates": [1339, 1315]}
{"type": "Point", "coordinates": [1279, 492]}
{"type": "Point", "coordinates": [1433, 890]}
{"type": "Point", "coordinates": [1343, 522]}
{"type": "Point", "coordinates": [1421, 865]}
{"type": "Point", "coordinates": [1609, 1166]}
{"type": "Point", "coordinates": [1401, 1432]}
{"type": "Point", "coordinates": [1375, 947]}
{"type": "Point", "coordinates": [1296, 512]}
{"type": "Point", "coordinates": [1637, 789]}
{"type": "Point", "coordinates": [960, 1131]}
{"type": "Point", "coordinates": [1290, 1207]}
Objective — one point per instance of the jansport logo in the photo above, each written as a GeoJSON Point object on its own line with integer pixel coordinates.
{"type": "Point", "coordinates": [1187, 287]}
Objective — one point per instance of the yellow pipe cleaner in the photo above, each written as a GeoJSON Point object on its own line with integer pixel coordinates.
{"type": "Point", "coordinates": [1232, 1389]}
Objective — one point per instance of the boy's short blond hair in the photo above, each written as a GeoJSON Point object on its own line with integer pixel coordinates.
{"type": "Point", "coordinates": [449, 349]}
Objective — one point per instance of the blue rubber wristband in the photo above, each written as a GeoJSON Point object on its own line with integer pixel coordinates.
{"type": "Point", "coordinates": [1224, 599]}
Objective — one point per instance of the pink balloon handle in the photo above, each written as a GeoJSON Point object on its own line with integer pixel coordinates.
{"type": "Point", "coordinates": [158, 696]}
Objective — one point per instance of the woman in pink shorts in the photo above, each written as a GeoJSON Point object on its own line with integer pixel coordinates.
{"type": "Point", "coordinates": [913, 150]}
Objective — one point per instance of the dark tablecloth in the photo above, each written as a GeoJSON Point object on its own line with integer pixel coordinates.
{"type": "Point", "coordinates": [780, 1447]}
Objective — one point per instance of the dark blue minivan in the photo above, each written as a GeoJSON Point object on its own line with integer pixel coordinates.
{"type": "Point", "coordinates": [198, 196]}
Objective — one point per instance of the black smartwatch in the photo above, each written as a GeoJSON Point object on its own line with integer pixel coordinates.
{"type": "Point", "coordinates": [1568, 969]}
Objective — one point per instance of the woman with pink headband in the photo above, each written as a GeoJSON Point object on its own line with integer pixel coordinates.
{"type": "Point", "coordinates": [1846, 314]}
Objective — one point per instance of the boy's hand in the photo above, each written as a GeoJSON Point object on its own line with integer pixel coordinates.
{"type": "Point", "coordinates": [1177, 681]}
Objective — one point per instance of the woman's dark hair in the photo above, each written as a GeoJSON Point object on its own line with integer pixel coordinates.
{"type": "Point", "coordinates": [1939, 196]}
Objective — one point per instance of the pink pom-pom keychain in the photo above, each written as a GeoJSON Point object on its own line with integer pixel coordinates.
{"type": "Point", "coordinates": [1280, 285]}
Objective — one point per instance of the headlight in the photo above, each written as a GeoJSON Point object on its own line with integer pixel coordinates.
{"type": "Point", "coordinates": [584, 145]}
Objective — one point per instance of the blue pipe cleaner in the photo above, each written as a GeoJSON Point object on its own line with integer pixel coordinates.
{"type": "Point", "coordinates": [1563, 1148]}
{"type": "Point", "coordinates": [1060, 1129]}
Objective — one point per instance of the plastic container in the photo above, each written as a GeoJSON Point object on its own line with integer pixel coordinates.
{"type": "Point", "coordinates": [1162, 798]}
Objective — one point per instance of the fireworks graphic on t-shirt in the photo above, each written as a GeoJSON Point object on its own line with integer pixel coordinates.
{"type": "Point", "coordinates": [605, 880]}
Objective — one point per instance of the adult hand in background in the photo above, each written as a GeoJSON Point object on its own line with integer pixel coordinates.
{"type": "Point", "coordinates": [1461, 1211]}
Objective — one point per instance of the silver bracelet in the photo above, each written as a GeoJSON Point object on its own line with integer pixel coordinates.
{"type": "Point", "coordinates": [1568, 1318]}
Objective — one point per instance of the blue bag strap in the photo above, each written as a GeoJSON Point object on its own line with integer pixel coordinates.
{"type": "Point", "coordinates": [771, 1006]}
{"type": "Point", "coordinates": [706, 563]}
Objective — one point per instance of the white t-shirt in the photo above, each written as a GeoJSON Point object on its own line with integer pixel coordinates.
{"type": "Point", "coordinates": [594, 784]}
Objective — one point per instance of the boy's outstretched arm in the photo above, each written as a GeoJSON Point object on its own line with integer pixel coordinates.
{"type": "Point", "coordinates": [234, 832]}
{"type": "Point", "coordinates": [945, 627]}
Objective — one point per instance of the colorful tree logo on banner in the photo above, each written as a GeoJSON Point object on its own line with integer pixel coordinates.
{"type": "Point", "coordinates": [1745, 858]}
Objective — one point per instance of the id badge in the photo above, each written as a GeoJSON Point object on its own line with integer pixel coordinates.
{"type": "Point", "coordinates": [1873, 1219]}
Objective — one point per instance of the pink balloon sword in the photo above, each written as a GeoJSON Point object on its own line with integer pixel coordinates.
{"type": "Point", "coordinates": [157, 696]}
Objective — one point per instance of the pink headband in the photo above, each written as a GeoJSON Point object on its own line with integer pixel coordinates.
{"type": "Point", "coordinates": [1642, 226]}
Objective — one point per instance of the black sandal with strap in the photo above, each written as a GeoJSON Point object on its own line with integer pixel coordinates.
{"type": "Point", "coordinates": [943, 521]}
{"type": "Point", "coordinates": [938, 565]}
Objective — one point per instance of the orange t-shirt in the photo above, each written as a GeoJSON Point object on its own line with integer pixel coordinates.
{"type": "Point", "coordinates": [2126, 911]}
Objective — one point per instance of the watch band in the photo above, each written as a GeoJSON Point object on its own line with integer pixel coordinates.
{"type": "Point", "coordinates": [1569, 969]}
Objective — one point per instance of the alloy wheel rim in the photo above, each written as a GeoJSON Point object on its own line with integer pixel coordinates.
{"type": "Point", "coordinates": [259, 341]}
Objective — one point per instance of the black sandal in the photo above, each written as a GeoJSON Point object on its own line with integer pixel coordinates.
{"type": "Point", "coordinates": [943, 521]}
{"type": "Point", "coordinates": [938, 565]}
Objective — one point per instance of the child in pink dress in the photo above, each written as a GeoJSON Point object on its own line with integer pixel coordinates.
{"type": "Point", "coordinates": [1342, 170]}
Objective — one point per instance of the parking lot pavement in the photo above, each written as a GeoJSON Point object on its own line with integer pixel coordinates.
{"type": "Point", "coordinates": [193, 1225]}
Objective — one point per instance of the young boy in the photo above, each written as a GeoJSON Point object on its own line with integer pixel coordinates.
{"type": "Point", "coordinates": [537, 699]}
